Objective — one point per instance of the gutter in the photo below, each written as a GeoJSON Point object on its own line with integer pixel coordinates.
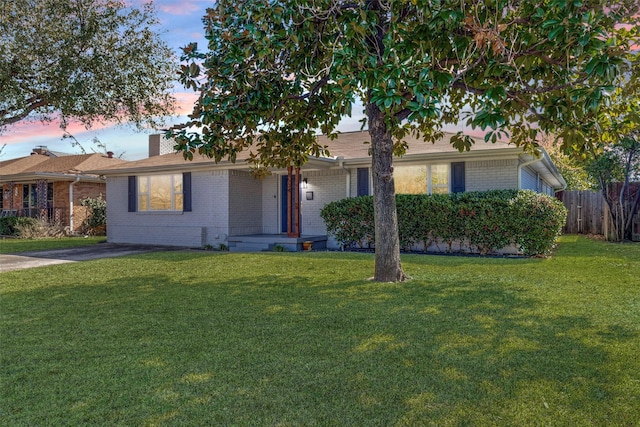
{"type": "Point", "coordinates": [71, 184]}
{"type": "Point", "coordinates": [525, 164]}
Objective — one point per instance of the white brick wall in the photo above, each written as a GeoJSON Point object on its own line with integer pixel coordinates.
{"type": "Point", "coordinates": [491, 175]}
{"type": "Point", "coordinates": [234, 202]}
{"type": "Point", "coordinates": [208, 223]}
{"type": "Point", "coordinates": [528, 180]}
{"type": "Point", "coordinates": [327, 186]}
{"type": "Point", "coordinates": [245, 204]}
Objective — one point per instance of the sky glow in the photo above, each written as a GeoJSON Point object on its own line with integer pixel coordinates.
{"type": "Point", "coordinates": [180, 24]}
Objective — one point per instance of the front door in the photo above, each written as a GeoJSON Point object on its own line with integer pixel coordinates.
{"type": "Point", "coordinates": [284, 199]}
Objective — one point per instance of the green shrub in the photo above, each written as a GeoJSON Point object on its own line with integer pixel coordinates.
{"type": "Point", "coordinates": [9, 225]}
{"type": "Point", "coordinates": [96, 215]}
{"type": "Point", "coordinates": [479, 222]}
{"type": "Point", "coordinates": [537, 222]}
{"type": "Point", "coordinates": [351, 220]}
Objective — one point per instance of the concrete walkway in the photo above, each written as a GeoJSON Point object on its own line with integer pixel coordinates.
{"type": "Point", "coordinates": [83, 253]}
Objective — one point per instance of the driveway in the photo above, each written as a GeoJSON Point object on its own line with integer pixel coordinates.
{"type": "Point", "coordinates": [83, 253]}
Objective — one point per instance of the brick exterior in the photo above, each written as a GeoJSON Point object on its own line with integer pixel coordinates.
{"type": "Point", "coordinates": [81, 190]}
{"type": "Point", "coordinates": [159, 145]}
{"type": "Point", "coordinates": [327, 186]}
{"type": "Point", "coordinates": [491, 175]}
{"type": "Point", "coordinates": [245, 202]}
{"type": "Point", "coordinates": [207, 223]}
{"type": "Point", "coordinates": [233, 202]}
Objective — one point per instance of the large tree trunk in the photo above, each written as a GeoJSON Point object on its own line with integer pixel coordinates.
{"type": "Point", "coordinates": [387, 257]}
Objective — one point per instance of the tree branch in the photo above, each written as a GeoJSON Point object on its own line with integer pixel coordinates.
{"type": "Point", "coordinates": [15, 117]}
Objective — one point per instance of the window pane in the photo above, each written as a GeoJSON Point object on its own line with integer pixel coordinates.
{"type": "Point", "coordinates": [143, 202]}
{"type": "Point", "coordinates": [410, 179]}
{"type": "Point", "coordinates": [143, 184]}
{"type": "Point", "coordinates": [160, 192]}
{"type": "Point", "coordinates": [25, 196]}
{"type": "Point", "coordinates": [178, 204]}
{"type": "Point", "coordinates": [440, 179]}
{"type": "Point", "coordinates": [440, 174]}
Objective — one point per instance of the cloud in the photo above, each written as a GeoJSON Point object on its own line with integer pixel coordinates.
{"type": "Point", "coordinates": [185, 102]}
{"type": "Point", "coordinates": [182, 8]}
{"type": "Point", "coordinates": [26, 131]}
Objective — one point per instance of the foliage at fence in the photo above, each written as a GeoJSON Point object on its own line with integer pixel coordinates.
{"type": "Point", "coordinates": [96, 215]}
{"type": "Point", "coordinates": [479, 222]}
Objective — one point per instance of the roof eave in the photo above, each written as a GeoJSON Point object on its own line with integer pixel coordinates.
{"type": "Point", "coordinates": [445, 155]}
{"type": "Point", "coordinates": [50, 176]}
{"type": "Point", "coordinates": [547, 170]}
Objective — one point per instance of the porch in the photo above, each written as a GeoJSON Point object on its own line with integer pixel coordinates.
{"type": "Point", "coordinates": [270, 242]}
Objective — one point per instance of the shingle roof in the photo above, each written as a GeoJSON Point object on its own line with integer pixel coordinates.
{"type": "Point", "coordinates": [349, 145]}
{"type": "Point", "coordinates": [355, 145]}
{"type": "Point", "coordinates": [13, 166]}
{"type": "Point", "coordinates": [37, 163]}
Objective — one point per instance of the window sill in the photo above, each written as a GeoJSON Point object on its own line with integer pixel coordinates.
{"type": "Point", "coordinates": [159, 212]}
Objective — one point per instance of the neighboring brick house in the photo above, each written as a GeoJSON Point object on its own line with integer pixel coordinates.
{"type": "Point", "coordinates": [169, 201]}
{"type": "Point", "coordinates": [50, 185]}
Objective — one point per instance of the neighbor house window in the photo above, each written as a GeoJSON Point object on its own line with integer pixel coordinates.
{"type": "Point", "coordinates": [160, 193]}
{"type": "Point", "coordinates": [422, 179]}
{"type": "Point", "coordinates": [31, 199]}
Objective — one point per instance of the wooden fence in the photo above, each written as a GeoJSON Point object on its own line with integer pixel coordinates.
{"type": "Point", "coordinates": [586, 212]}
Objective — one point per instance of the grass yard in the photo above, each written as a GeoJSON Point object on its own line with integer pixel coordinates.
{"type": "Point", "coordinates": [10, 246]}
{"type": "Point", "coordinates": [213, 338]}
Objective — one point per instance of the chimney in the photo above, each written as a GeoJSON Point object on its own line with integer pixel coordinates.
{"type": "Point", "coordinates": [40, 149]}
{"type": "Point", "coordinates": [159, 145]}
{"type": "Point", "coordinates": [109, 154]}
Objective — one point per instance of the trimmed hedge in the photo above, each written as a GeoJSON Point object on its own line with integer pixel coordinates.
{"type": "Point", "coordinates": [476, 222]}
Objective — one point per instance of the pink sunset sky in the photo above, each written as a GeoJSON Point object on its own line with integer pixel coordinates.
{"type": "Point", "coordinates": [180, 24]}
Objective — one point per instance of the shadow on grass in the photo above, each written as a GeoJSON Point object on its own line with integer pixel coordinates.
{"type": "Point", "coordinates": [271, 349]}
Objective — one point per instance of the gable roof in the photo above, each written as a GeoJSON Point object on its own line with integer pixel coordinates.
{"type": "Point", "coordinates": [350, 149]}
{"type": "Point", "coordinates": [61, 168]}
{"type": "Point", "coordinates": [353, 147]}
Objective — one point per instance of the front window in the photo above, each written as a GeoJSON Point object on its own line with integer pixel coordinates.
{"type": "Point", "coordinates": [439, 183]}
{"type": "Point", "coordinates": [32, 199]}
{"type": "Point", "coordinates": [421, 179]}
{"type": "Point", "coordinates": [160, 193]}
{"type": "Point", "coordinates": [410, 179]}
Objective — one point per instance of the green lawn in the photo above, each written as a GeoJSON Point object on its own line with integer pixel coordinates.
{"type": "Point", "coordinates": [284, 339]}
{"type": "Point", "coordinates": [10, 246]}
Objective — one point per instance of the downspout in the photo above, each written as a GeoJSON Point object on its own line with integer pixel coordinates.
{"type": "Point", "coordinates": [341, 164]}
{"type": "Point", "coordinates": [71, 184]}
{"type": "Point", "coordinates": [564, 187]}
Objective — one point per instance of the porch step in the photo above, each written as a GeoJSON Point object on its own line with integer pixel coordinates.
{"type": "Point", "coordinates": [248, 246]}
{"type": "Point", "coordinates": [265, 242]}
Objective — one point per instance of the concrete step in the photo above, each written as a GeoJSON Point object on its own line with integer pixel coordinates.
{"type": "Point", "coordinates": [248, 247]}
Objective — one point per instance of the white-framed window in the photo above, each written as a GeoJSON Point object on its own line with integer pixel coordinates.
{"type": "Point", "coordinates": [438, 179]}
{"type": "Point", "coordinates": [421, 179]}
{"type": "Point", "coordinates": [160, 193]}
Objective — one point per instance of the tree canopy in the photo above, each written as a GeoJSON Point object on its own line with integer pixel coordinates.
{"type": "Point", "coordinates": [277, 71]}
{"type": "Point", "coordinates": [91, 61]}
